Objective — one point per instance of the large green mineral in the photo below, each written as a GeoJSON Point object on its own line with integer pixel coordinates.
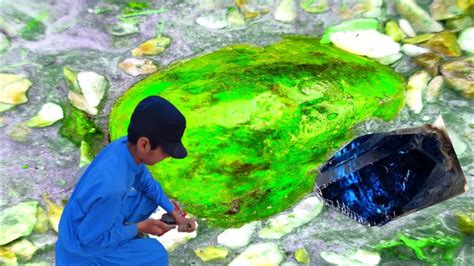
{"type": "Point", "coordinates": [259, 120]}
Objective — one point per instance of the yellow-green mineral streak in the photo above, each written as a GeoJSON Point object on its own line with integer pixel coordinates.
{"type": "Point", "coordinates": [436, 250]}
{"type": "Point", "coordinates": [259, 119]}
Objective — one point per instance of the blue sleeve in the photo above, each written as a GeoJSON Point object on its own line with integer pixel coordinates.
{"type": "Point", "coordinates": [153, 189]}
{"type": "Point", "coordinates": [98, 229]}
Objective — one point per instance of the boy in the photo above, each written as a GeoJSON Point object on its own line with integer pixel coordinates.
{"type": "Point", "coordinates": [113, 199]}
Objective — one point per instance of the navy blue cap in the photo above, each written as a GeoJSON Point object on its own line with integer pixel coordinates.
{"type": "Point", "coordinates": [162, 123]}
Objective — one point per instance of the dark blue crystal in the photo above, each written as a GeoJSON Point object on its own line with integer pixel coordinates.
{"type": "Point", "coordinates": [378, 177]}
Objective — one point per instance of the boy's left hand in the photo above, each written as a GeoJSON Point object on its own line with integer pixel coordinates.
{"type": "Point", "coordinates": [187, 225]}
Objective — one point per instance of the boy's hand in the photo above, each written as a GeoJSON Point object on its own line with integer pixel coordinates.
{"type": "Point", "coordinates": [154, 227]}
{"type": "Point", "coordinates": [187, 225]}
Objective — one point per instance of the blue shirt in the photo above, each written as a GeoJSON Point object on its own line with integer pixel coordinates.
{"type": "Point", "coordinates": [92, 221]}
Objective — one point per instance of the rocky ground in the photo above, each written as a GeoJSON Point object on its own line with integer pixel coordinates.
{"type": "Point", "coordinates": [59, 57]}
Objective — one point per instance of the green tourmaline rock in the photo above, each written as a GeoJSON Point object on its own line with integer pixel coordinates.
{"type": "Point", "coordinates": [458, 74]}
{"type": "Point", "coordinates": [17, 221]}
{"type": "Point", "coordinates": [429, 62]}
{"type": "Point", "coordinates": [466, 222]}
{"type": "Point", "coordinates": [302, 256]}
{"type": "Point", "coordinates": [393, 30]}
{"type": "Point", "coordinates": [419, 39]}
{"type": "Point", "coordinates": [259, 120]}
{"type": "Point", "coordinates": [444, 43]}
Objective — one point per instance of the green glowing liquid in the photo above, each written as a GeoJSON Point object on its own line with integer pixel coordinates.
{"type": "Point", "coordinates": [259, 120]}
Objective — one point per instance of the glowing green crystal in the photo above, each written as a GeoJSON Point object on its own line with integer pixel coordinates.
{"type": "Point", "coordinates": [82, 130]}
{"type": "Point", "coordinates": [259, 120]}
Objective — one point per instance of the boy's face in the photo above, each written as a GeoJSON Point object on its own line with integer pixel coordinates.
{"type": "Point", "coordinates": [149, 156]}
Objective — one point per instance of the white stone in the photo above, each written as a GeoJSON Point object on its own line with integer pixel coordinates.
{"type": "Point", "coordinates": [215, 22]}
{"type": "Point", "coordinates": [370, 43]}
{"type": "Point", "coordinates": [237, 237]}
{"type": "Point", "coordinates": [283, 224]}
{"type": "Point", "coordinates": [434, 87]}
{"type": "Point", "coordinates": [267, 254]}
{"type": "Point", "coordinates": [77, 100]}
{"type": "Point", "coordinates": [172, 239]}
{"type": "Point", "coordinates": [466, 40]}
{"type": "Point", "coordinates": [285, 11]}
{"type": "Point", "coordinates": [357, 258]}
{"type": "Point", "coordinates": [413, 50]}
{"type": "Point", "coordinates": [366, 257]}
{"type": "Point", "coordinates": [390, 59]}
{"type": "Point", "coordinates": [93, 87]}
{"type": "Point", "coordinates": [406, 27]}
{"type": "Point", "coordinates": [48, 115]}
{"type": "Point", "coordinates": [416, 85]}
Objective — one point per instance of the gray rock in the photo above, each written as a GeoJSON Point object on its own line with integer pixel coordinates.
{"type": "Point", "coordinates": [4, 42]}
{"type": "Point", "coordinates": [417, 16]}
{"type": "Point", "coordinates": [285, 11]}
{"type": "Point", "coordinates": [122, 28]}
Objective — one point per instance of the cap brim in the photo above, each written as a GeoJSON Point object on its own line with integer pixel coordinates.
{"type": "Point", "coordinates": [175, 150]}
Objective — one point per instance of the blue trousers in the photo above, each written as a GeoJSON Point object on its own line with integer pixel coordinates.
{"type": "Point", "coordinates": [140, 251]}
